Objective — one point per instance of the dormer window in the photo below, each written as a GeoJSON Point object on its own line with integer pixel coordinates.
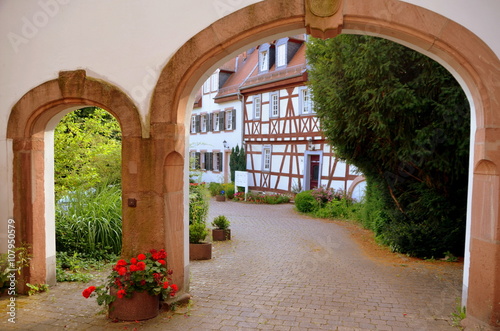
{"type": "Point", "coordinates": [266, 57]}
{"type": "Point", "coordinates": [264, 61]}
{"type": "Point", "coordinates": [281, 55]}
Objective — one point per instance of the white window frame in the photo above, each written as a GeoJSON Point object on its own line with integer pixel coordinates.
{"type": "Point", "coordinates": [305, 102]}
{"type": "Point", "coordinates": [229, 120]}
{"type": "Point", "coordinates": [204, 123]}
{"type": "Point", "coordinates": [193, 124]}
{"type": "Point", "coordinates": [281, 55]}
{"type": "Point", "coordinates": [274, 104]}
{"type": "Point", "coordinates": [216, 121]}
{"type": "Point", "coordinates": [257, 106]}
{"type": "Point", "coordinates": [264, 60]}
{"type": "Point", "coordinates": [215, 81]}
{"type": "Point", "coordinates": [206, 86]}
{"type": "Point", "coordinates": [266, 157]}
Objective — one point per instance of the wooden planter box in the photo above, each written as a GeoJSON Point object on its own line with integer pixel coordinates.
{"type": "Point", "coordinates": [220, 198]}
{"type": "Point", "coordinates": [201, 251]}
{"type": "Point", "coordinates": [221, 235]}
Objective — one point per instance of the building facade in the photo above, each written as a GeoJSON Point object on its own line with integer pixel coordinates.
{"type": "Point", "coordinates": [260, 100]}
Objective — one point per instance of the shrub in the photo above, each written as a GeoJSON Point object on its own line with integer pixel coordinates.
{"type": "Point", "coordinates": [221, 222]}
{"type": "Point", "coordinates": [338, 209]}
{"type": "Point", "coordinates": [215, 188]}
{"type": "Point", "coordinates": [305, 202]}
{"type": "Point", "coordinates": [90, 222]}
{"type": "Point", "coordinates": [198, 203]}
{"type": "Point", "coordinates": [197, 232]}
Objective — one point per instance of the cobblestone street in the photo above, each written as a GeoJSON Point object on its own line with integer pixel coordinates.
{"type": "Point", "coordinates": [280, 271]}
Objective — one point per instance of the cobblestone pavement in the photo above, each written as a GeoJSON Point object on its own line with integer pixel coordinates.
{"type": "Point", "coordinates": [280, 271]}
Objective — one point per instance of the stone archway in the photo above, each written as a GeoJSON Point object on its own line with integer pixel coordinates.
{"type": "Point", "coordinates": [26, 128]}
{"type": "Point", "coordinates": [462, 52]}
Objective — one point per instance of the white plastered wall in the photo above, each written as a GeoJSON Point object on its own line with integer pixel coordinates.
{"type": "Point", "coordinates": [127, 42]}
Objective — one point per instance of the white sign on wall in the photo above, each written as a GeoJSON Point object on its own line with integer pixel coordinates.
{"type": "Point", "coordinates": [241, 179]}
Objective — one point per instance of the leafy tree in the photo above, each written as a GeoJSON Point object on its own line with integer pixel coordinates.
{"type": "Point", "coordinates": [238, 161]}
{"type": "Point", "coordinates": [403, 120]}
{"type": "Point", "coordinates": [87, 150]}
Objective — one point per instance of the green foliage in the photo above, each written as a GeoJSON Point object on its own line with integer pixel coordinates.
{"type": "Point", "coordinates": [77, 267]}
{"type": "Point", "coordinates": [221, 222]}
{"type": "Point", "coordinates": [267, 198]}
{"type": "Point", "coordinates": [89, 221]}
{"type": "Point", "coordinates": [458, 315]}
{"type": "Point", "coordinates": [305, 202]}
{"type": "Point", "coordinates": [237, 161]}
{"type": "Point", "coordinates": [87, 150]}
{"type": "Point", "coordinates": [198, 212]}
{"type": "Point", "coordinates": [37, 288]}
{"type": "Point", "coordinates": [198, 203]}
{"type": "Point", "coordinates": [403, 121]}
{"type": "Point", "coordinates": [229, 190]}
{"type": "Point", "coordinates": [22, 258]}
{"type": "Point", "coordinates": [334, 209]}
{"type": "Point", "coordinates": [197, 232]}
{"type": "Point", "coordinates": [215, 188]}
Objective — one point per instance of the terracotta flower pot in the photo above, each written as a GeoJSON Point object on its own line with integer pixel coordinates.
{"type": "Point", "coordinates": [201, 251]}
{"type": "Point", "coordinates": [141, 306]}
{"type": "Point", "coordinates": [221, 235]}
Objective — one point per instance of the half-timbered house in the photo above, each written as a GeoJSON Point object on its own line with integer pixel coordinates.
{"type": "Point", "coordinates": [266, 90]}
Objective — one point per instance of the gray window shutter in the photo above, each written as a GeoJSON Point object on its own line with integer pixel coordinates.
{"type": "Point", "coordinates": [197, 124]}
{"type": "Point", "coordinates": [220, 161]}
{"type": "Point", "coordinates": [222, 125]}
{"type": "Point", "coordinates": [209, 122]}
{"type": "Point", "coordinates": [234, 119]}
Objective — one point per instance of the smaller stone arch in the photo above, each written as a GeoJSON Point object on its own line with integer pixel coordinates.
{"type": "Point", "coordinates": [26, 129]}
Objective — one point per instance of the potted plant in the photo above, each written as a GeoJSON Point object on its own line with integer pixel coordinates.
{"type": "Point", "coordinates": [134, 288]}
{"type": "Point", "coordinates": [198, 249]}
{"type": "Point", "coordinates": [221, 196]}
{"type": "Point", "coordinates": [222, 231]}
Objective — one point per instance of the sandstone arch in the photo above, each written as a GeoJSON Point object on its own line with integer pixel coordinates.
{"type": "Point", "coordinates": [462, 52]}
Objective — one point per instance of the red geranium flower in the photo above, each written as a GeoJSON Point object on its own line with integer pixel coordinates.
{"type": "Point", "coordinates": [121, 271]}
{"type": "Point", "coordinates": [121, 263]}
{"type": "Point", "coordinates": [165, 284]}
{"type": "Point", "coordinates": [174, 287]}
{"type": "Point", "coordinates": [88, 291]}
{"type": "Point", "coordinates": [160, 255]}
{"type": "Point", "coordinates": [162, 262]}
{"type": "Point", "coordinates": [133, 260]}
{"type": "Point", "coordinates": [141, 265]}
{"type": "Point", "coordinates": [133, 268]}
{"type": "Point", "coordinates": [121, 293]}
{"type": "Point", "coordinates": [141, 257]}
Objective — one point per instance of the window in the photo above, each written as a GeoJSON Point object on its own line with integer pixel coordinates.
{"type": "Point", "coordinates": [206, 86]}
{"type": "Point", "coordinates": [216, 121]}
{"type": "Point", "coordinates": [281, 50]}
{"type": "Point", "coordinates": [209, 161]}
{"type": "Point", "coordinates": [194, 160]}
{"type": "Point", "coordinates": [257, 104]}
{"type": "Point", "coordinates": [215, 81]}
{"type": "Point", "coordinates": [264, 61]}
{"type": "Point", "coordinates": [266, 158]}
{"type": "Point", "coordinates": [204, 123]}
{"type": "Point", "coordinates": [193, 124]}
{"type": "Point", "coordinates": [230, 119]}
{"type": "Point", "coordinates": [217, 161]}
{"type": "Point", "coordinates": [305, 103]}
{"type": "Point", "coordinates": [275, 104]}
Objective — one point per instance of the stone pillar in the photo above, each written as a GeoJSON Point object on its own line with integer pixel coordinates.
{"type": "Point", "coordinates": [483, 302]}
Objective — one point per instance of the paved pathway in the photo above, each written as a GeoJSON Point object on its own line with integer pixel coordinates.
{"type": "Point", "coordinates": [281, 271]}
